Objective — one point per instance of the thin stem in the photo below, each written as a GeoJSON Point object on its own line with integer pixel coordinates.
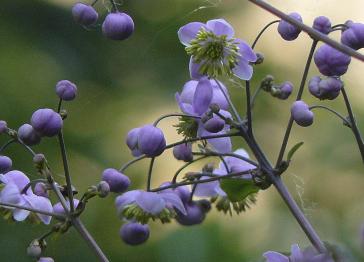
{"type": "Point", "coordinates": [211, 153]}
{"type": "Point", "coordinates": [7, 144]}
{"type": "Point", "coordinates": [262, 31]}
{"type": "Point", "coordinates": [248, 109]}
{"type": "Point", "coordinates": [225, 164]}
{"type": "Point", "coordinates": [171, 115]}
{"type": "Point", "coordinates": [59, 107]}
{"type": "Point", "coordinates": [94, 2]}
{"type": "Point", "coordinates": [184, 166]}
{"type": "Point", "coordinates": [254, 97]}
{"type": "Point", "coordinates": [150, 173]}
{"type": "Point", "coordinates": [66, 170]}
{"type": "Point", "coordinates": [45, 235]}
{"type": "Point", "coordinates": [60, 197]}
{"type": "Point", "coordinates": [129, 163]}
{"type": "Point", "coordinates": [353, 125]}
{"type": "Point", "coordinates": [35, 210]}
{"type": "Point", "coordinates": [312, 32]}
{"type": "Point", "coordinates": [82, 230]}
{"type": "Point", "coordinates": [299, 95]}
{"type": "Point", "coordinates": [332, 111]}
{"type": "Point", "coordinates": [114, 6]}
{"type": "Point", "coordinates": [235, 112]}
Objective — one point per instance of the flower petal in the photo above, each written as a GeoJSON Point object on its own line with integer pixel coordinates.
{"type": "Point", "coordinates": [41, 203]}
{"type": "Point", "coordinates": [126, 199]}
{"type": "Point", "coordinates": [296, 254]}
{"type": "Point", "coordinates": [175, 200]}
{"type": "Point", "coordinates": [10, 194]}
{"type": "Point", "coordinates": [207, 189]}
{"type": "Point", "coordinates": [246, 51]}
{"type": "Point", "coordinates": [272, 256]}
{"type": "Point", "coordinates": [203, 96]}
{"type": "Point", "coordinates": [220, 27]}
{"type": "Point", "coordinates": [150, 202]}
{"type": "Point", "coordinates": [188, 91]}
{"type": "Point", "coordinates": [185, 108]}
{"type": "Point", "coordinates": [243, 70]}
{"type": "Point", "coordinates": [188, 32]}
{"type": "Point", "coordinates": [20, 214]}
{"type": "Point", "coordinates": [194, 69]}
{"type": "Point", "coordinates": [18, 178]}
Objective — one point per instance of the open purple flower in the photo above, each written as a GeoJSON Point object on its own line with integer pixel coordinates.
{"type": "Point", "coordinates": [215, 51]}
{"type": "Point", "coordinates": [141, 205]}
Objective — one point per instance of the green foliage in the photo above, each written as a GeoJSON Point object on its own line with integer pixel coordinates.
{"type": "Point", "coordinates": [187, 126]}
{"type": "Point", "coordinates": [293, 150]}
{"type": "Point", "coordinates": [238, 189]}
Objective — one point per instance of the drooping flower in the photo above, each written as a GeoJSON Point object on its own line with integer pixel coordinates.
{"type": "Point", "coordinates": [331, 62]}
{"type": "Point", "coordinates": [328, 88]}
{"type": "Point", "coordinates": [288, 31]}
{"type": "Point", "coordinates": [118, 26]}
{"type": "Point", "coordinates": [214, 50]}
{"type": "Point", "coordinates": [133, 233]}
{"type": "Point", "coordinates": [66, 90]}
{"type": "Point", "coordinates": [354, 35]}
{"type": "Point", "coordinates": [46, 122]}
{"type": "Point", "coordinates": [213, 124]}
{"type": "Point", "coordinates": [322, 24]}
{"type": "Point", "coordinates": [301, 113]}
{"type": "Point", "coordinates": [28, 135]}
{"type": "Point", "coordinates": [117, 181]}
{"type": "Point", "coordinates": [141, 205]}
{"type": "Point", "coordinates": [5, 164]}
{"type": "Point", "coordinates": [183, 152]}
{"type": "Point", "coordinates": [84, 14]}
{"type": "Point", "coordinates": [307, 255]}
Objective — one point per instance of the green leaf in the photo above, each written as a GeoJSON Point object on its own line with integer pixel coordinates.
{"type": "Point", "coordinates": [238, 189]}
{"type": "Point", "coordinates": [293, 150]}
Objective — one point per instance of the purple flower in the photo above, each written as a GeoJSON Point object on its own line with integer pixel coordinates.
{"type": "Point", "coordinates": [132, 141]}
{"type": "Point", "coordinates": [354, 35]}
{"type": "Point", "coordinates": [328, 88]}
{"type": "Point", "coordinates": [215, 51]}
{"type": "Point", "coordinates": [288, 31]}
{"type": "Point", "coordinates": [118, 26]}
{"type": "Point", "coordinates": [301, 113]}
{"type": "Point", "coordinates": [45, 259]}
{"type": "Point", "coordinates": [40, 189]}
{"type": "Point", "coordinates": [151, 141]}
{"type": "Point", "coordinates": [46, 122]}
{"type": "Point", "coordinates": [28, 135]}
{"type": "Point", "coordinates": [84, 14]}
{"type": "Point", "coordinates": [322, 24]}
{"type": "Point", "coordinates": [195, 214]}
{"type": "Point", "coordinates": [214, 124]}
{"type": "Point", "coordinates": [58, 208]}
{"type": "Point", "coordinates": [117, 181]}
{"type": "Point", "coordinates": [5, 164]}
{"type": "Point", "coordinates": [183, 152]}
{"type": "Point", "coordinates": [134, 233]}
{"type": "Point", "coordinates": [3, 126]}
{"type": "Point", "coordinates": [66, 90]}
{"type": "Point", "coordinates": [308, 255]}
{"type": "Point", "coordinates": [285, 90]}
{"type": "Point", "coordinates": [331, 62]}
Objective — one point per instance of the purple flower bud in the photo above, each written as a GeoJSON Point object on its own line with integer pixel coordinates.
{"type": "Point", "coordinates": [132, 141]}
{"type": "Point", "coordinates": [325, 89]}
{"type": "Point", "coordinates": [39, 159]}
{"type": "Point", "coordinates": [103, 188]}
{"type": "Point", "coordinates": [66, 90]}
{"type": "Point", "coordinates": [45, 259]}
{"type": "Point", "coordinates": [3, 126]}
{"type": "Point", "coordinates": [118, 26]}
{"type": "Point", "coordinates": [331, 62]}
{"type": "Point", "coordinates": [46, 122]}
{"type": "Point", "coordinates": [40, 189]}
{"type": "Point", "coordinates": [134, 233]}
{"type": "Point", "coordinates": [5, 164]}
{"type": "Point", "coordinates": [354, 35]}
{"type": "Point", "coordinates": [288, 31]}
{"type": "Point", "coordinates": [28, 135]}
{"type": "Point", "coordinates": [195, 215]}
{"type": "Point", "coordinates": [117, 181]}
{"type": "Point", "coordinates": [301, 113]}
{"type": "Point", "coordinates": [214, 124]}
{"type": "Point", "coordinates": [151, 141]}
{"type": "Point", "coordinates": [84, 14]}
{"type": "Point", "coordinates": [285, 90]}
{"type": "Point", "coordinates": [322, 24]}
{"type": "Point", "coordinates": [58, 208]}
{"type": "Point", "coordinates": [183, 152]}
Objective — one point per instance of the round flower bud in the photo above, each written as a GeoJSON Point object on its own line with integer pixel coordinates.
{"type": "Point", "coordinates": [103, 188]}
{"type": "Point", "coordinates": [66, 90]}
{"type": "Point", "coordinates": [34, 249]}
{"type": "Point", "coordinates": [3, 126]}
{"type": "Point", "coordinates": [288, 31]}
{"type": "Point", "coordinates": [282, 91]}
{"type": "Point", "coordinates": [40, 189]}
{"type": "Point", "coordinates": [5, 164]}
{"type": "Point", "coordinates": [331, 62]}
{"type": "Point", "coordinates": [118, 26]}
{"type": "Point", "coordinates": [134, 233]}
{"type": "Point", "coordinates": [132, 141]}
{"type": "Point", "coordinates": [39, 159]}
{"type": "Point", "coordinates": [45, 259]}
{"type": "Point", "coordinates": [214, 124]}
{"type": "Point", "coordinates": [354, 35]}
{"type": "Point", "coordinates": [28, 135]}
{"type": "Point", "coordinates": [84, 14]}
{"type": "Point", "coordinates": [322, 24]}
{"type": "Point", "coordinates": [46, 122]}
{"type": "Point", "coordinates": [183, 152]}
{"type": "Point", "coordinates": [195, 215]}
{"type": "Point", "coordinates": [325, 89]}
{"type": "Point", "coordinates": [301, 113]}
{"type": "Point", "coordinates": [117, 181]}
{"type": "Point", "coordinates": [151, 141]}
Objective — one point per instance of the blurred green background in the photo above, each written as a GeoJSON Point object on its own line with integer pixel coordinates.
{"type": "Point", "coordinates": [126, 84]}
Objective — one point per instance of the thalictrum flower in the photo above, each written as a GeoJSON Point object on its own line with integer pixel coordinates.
{"type": "Point", "coordinates": [354, 35]}
{"type": "Point", "coordinates": [322, 24]}
{"type": "Point", "coordinates": [133, 233]}
{"type": "Point", "coordinates": [331, 62]}
{"type": "Point", "coordinates": [46, 122]}
{"type": "Point", "coordinates": [328, 88]}
{"type": "Point", "coordinates": [118, 26]}
{"type": "Point", "coordinates": [301, 113]}
{"type": "Point", "coordinates": [288, 31]}
{"type": "Point", "coordinates": [5, 164]}
{"type": "Point", "coordinates": [117, 181]}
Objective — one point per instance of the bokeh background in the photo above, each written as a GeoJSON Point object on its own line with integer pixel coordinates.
{"type": "Point", "coordinates": [126, 84]}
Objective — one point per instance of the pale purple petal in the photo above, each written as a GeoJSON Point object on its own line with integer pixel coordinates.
{"type": "Point", "coordinates": [10, 194]}
{"type": "Point", "coordinates": [203, 96]}
{"type": "Point", "coordinates": [126, 199]}
{"type": "Point", "coordinates": [41, 203]}
{"type": "Point", "coordinates": [150, 202]}
{"type": "Point", "coordinates": [18, 178]}
{"type": "Point", "coordinates": [296, 254]}
{"type": "Point", "coordinates": [246, 51]}
{"type": "Point", "coordinates": [188, 91]}
{"type": "Point", "coordinates": [207, 189]}
{"type": "Point", "coordinates": [188, 32]}
{"type": "Point", "coordinates": [194, 69]}
{"type": "Point", "coordinates": [272, 256]}
{"type": "Point", "coordinates": [218, 95]}
{"type": "Point", "coordinates": [243, 70]}
{"type": "Point", "coordinates": [185, 108]}
{"type": "Point", "coordinates": [20, 214]}
{"type": "Point", "coordinates": [175, 200]}
{"type": "Point", "coordinates": [220, 27]}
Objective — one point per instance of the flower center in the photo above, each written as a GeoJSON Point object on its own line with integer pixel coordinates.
{"type": "Point", "coordinates": [216, 54]}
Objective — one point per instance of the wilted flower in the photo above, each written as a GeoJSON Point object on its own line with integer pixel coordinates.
{"type": "Point", "coordinates": [214, 50]}
{"type": "Point", "coordinates": [301, 113]}
{"type": "Point", "coordinates": [288, 31]}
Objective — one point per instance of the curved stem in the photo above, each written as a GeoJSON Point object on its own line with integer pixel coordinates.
{"type": "Point", "coordinates": [254, 97]}
{"type": "Point", "coordinates": [299, 95]}
{"type": "Point", "coordinates": [353, 125]}
{"type": "Point", "coordinates": [129, 163]}
{"type": "Point", "coordinates": [262, 31]}
{"type": "Point", "coordinates": [150, 173]}
{"type": "Point", "coordinates": [114, 6]}
{"type": "Point", "coordinates": [7, 144]}
{"type": "Point", "coordinates": [211, 153]}
{"type": "Point", "coordinates": [171, 115]}
{"type": "Point", "coordinates": [59, 107]}
{"type": "Point", "coordinates": [184, 166]}
{"type": "Point", "coordinates": [248, 108]}
{"type": "Point", "coordinates": [332, 111]}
